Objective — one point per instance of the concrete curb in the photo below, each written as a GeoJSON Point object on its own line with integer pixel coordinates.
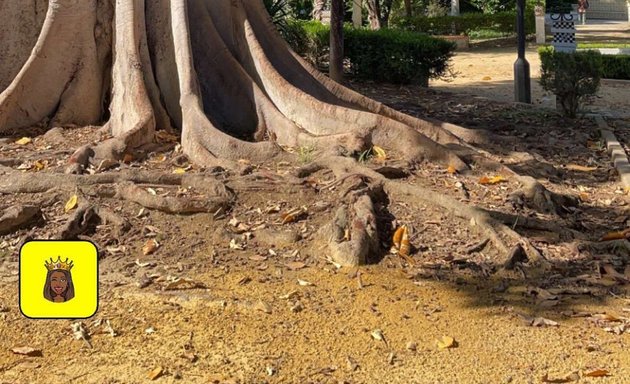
{"type": "Point", "coordinates": [616, 151]}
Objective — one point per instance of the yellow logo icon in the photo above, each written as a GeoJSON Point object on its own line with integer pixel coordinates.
{"type": "Point", "coordinates": [58, 279]}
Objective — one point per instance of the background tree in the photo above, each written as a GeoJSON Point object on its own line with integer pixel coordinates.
{"type": "Point", "coordinates": [336, 40]}
{"type": "Point", "coordinates": [408, 8]}
{"type": "Point", "coordinates": [318, 9]}
{"type": "Point", "coordinates": [374, 14]}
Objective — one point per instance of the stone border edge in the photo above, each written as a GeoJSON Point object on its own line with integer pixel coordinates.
{"type": "Point", "coordinates": [616, 151]}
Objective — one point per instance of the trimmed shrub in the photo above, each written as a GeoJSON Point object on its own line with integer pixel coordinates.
{"type": "Point", "coordinates": [572, 77]}
{"type": "Point", "coordinates": [616, 67]}
{"type": "Point", "coordinates": [385, 55]}
{"type": "Point", "coordinates": [560, 6]}
{"type": "Point", "coordinates": [501, 23]}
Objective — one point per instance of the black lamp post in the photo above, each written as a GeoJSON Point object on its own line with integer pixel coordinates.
{"type": "Point", "coordinates": [522, 85]}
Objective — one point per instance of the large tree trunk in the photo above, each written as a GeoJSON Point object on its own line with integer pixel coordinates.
{"type": "Point", "coordinates": [336, 40]}
{"type": "Point", "coordinates": [216, 71]}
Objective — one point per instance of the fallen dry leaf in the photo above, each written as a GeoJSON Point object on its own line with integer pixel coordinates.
{"type": "Point", "coordinates": [605, 317]}
{"type": "Point", "coordinates": [377, 334]}
{"type": "Point", "coordinates": [27, 351]}
{"type": "Point", "coordinates": [189, 356]}
{"type": "Point", "coordinates": [128, 158]}
{"type": "Point", "coordinates": [612, 273]}
{"type": "Point", "coordinates": [164, 136]}
{"type": "Point", "coordinates": [24, 141]}
{"type": "Point", "coordinates": [150, 247]}
{"type": "Point", "coordinates": [80, 333]}
{"type": "Point", "coordinates": [296, 307]}
{"type": "Point", "coordinates": [401, 245]}
{"type": "Point", "coordinates": [179, 171]}
{"type": "Point", "coordinates": [293, 215]}
{"type": "Point", "coordinates": [485, 180]}
{"type": "Point", "coordinates": [289, 296]}
{"type": "Point", "coordinates": [295, 265]}
{"type": "Point", "coordinates": [177, 283]}
{"type": "Point", "coordinates": [617, 330]}
{"type": "Point", "coordinates": [592, 144]}
{"type": "Point", "coordinates": [379, 152]}
{"type": "Point", "coordinates": [451, 170]}
{"type": "Point", "coordinates": [446, 342]}
{"type": "Point", "coordinates": [39, 165]}
{"type": "Point", "coordinates": [352, 364]}
{"type": "Point", "coordinates": [398, 236]}
{"type": "Point", "coordinates": [236, 245]}
{"type": "Point", "coordinates": [597, 373]}
{"type": "Point", "coordinates": [156, 373]}
{"type": "Point", "coordinates": [158, 159]}
{"type": "Point", "coordinates": [616, 235]}
{"type": "Point", "coordinates": [541, 321]}
{"type": "Point", "coordinates": [305, 283]}
{"type": "Point", "coordinates": [109, 329]}
{"type": "Point", "coordinates": [71, 203]}
{"type": "Point", "coordinates": [580, 168]}
{"type": "Point", "coordinates": [263, 307]}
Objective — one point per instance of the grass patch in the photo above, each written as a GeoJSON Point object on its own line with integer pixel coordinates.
{"type": "Point", "coordinates": [483, 34]}
{"type": "Point", "coordinates": [602, 45]}
{"type": "Point", "coordinates": [306, 154]}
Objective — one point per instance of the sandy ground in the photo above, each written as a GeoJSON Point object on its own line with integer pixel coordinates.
{"type": "Point", "coordinates": [490, 73]}
{"type": "Point", "coordinates": [254, 323]}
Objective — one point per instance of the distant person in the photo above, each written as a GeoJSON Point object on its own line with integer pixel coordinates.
{"type": "Point", "coordinates": [582, 7]}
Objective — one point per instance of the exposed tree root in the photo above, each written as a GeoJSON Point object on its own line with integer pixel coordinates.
{"type": "Point", "coordinates": [502, 236]}
{"type": "Point", "coordinates": [218, 71]}
{"type": "Point", "coordinates": [219, 74]}
{"type": "Point", "coordinates": [171, 204]}
{"type": "Point", "coordinates": [16, 217]}
{"type": "Point", "coordinates": [84, 219]}
{"type": "Point", "coordinates": [214, 197]}
{"type": "Point", "coordinates": [87, 217]}
{"type": "Point", "coordinates": [352, 236]}
{"type": "Point", "coordinates": [535, 196]}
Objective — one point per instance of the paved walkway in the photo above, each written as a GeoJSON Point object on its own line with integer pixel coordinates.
{"type": "Point", "coordinates": [604, 31]}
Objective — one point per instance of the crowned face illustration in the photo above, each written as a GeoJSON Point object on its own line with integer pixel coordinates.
{"type": "Point", "coordinates": [59, 287]}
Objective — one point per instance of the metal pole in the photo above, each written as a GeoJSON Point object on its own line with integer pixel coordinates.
{"type": "Point", "coordinates": [522, 80]}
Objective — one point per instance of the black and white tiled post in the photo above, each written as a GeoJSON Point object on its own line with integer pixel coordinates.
{"type": "Point", "coordinates": [563, 30]}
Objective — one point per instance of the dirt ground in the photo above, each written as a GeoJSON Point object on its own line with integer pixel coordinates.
{"type": "Point", "coordinates": [277, 311]}
{"type": "Point", "coordinates": [489, 72]}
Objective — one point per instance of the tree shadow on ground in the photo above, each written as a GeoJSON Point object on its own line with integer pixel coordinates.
{"type": "Point", "coordinates": [563, 289]}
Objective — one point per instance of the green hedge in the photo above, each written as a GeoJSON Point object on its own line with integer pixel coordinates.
{"type": "Point", "coordinates": [385, 55]}
{"type": "Point", "coordinates": [560, 6]}
{"type": "Point", "coordinates": [616, 67]}
{"type": "Point", "coordinates": [502, 22]}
